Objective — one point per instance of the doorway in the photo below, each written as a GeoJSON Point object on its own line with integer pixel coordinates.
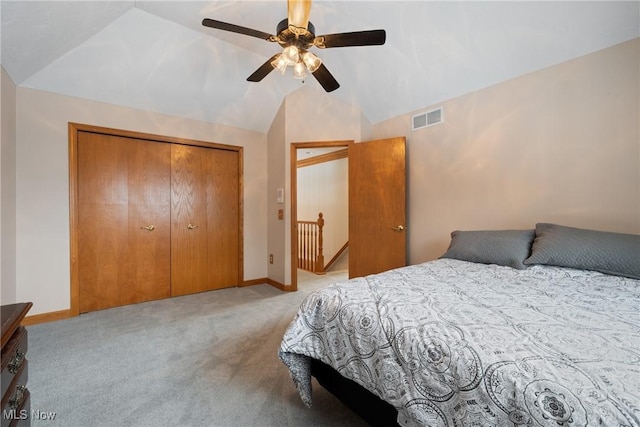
{"type": "Point", "coordinates": [306, 156]}
{"type": "Point", "coordinates": [377, 205]}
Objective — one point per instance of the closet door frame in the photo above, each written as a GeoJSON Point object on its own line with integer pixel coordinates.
{"type": "Point", "coordinates": [74, 129]}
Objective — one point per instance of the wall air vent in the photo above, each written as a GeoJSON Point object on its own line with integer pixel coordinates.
{"type": "Point", "coordinates": [428, 118]}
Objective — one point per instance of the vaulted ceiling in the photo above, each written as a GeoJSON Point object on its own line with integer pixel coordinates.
{"type": "Point", "coordinates": [156, 55]}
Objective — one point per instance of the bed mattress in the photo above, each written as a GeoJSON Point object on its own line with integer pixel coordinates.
{"type": "Point", "coordinates": [452, 343]}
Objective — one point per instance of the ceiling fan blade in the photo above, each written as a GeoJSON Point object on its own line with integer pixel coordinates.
{"type": "Point", "coordinates": [356, 38]}
{"type": "Point", "coordinates": [298, 15]}
{"type": "Point", "coordinates": [326, 79]}
{"type": "Point", "coordinates": [263, 71]}
{"type": "Point", "coordinates": [219, 25]}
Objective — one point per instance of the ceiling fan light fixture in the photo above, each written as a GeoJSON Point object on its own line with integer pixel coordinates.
{"type": "Point", "coordinates": [295, 35]}
{"type": "Point", "coordinates": [299, 71]}
{"type": "Point", "coordinates": [291, 55]}
{"type": "Point", "coordinates": [279, 64]}
{"type": "Point", "coordinates": [311, 61]}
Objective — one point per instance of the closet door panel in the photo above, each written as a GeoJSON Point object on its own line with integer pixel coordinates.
{"type": "Point", "coordinates": [205, 194]}
{"type": "Point", "coordinates": [223, 218]}
{"type": "Point", "coordinates": [189, 257]}
{"type": "Point", "coordinates": [103, 209]}
{"type": "Point", "coordinates": [150, 220]}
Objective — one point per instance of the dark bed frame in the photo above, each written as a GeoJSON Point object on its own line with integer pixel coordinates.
{"type": "Point", "coordinates": [367, 405]}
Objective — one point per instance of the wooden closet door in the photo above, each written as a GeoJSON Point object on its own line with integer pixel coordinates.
{"type": "Point", "coordinates": [150, 219]}
{"type": "Point", "coordinates": [223, 218]}
{"type": "Point", "coordinates": [205, 219]}
{"type": "Point", "coordinates": [123, 186]}
{"type": "Point", "coordinates": [188, 219]}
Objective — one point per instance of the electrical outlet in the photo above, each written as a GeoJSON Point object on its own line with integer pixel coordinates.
{"type": "Point", "coordinates": [270, 258]}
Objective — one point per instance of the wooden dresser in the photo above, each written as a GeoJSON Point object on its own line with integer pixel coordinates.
{"type": "Point", "coordinates": [15, 395]}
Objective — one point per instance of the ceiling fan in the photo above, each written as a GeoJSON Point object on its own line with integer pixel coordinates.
{"type": "Point", "coordinates": [296, 35]}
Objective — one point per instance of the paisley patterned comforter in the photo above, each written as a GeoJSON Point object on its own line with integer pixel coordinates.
{"type": "Point", "coordinates": [454, 343]}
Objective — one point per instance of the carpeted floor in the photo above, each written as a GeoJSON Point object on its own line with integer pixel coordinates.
{"type": "Point", "coordinates": [208, 359]}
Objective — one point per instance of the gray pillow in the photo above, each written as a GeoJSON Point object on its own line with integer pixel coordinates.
{"type": "Point", "coordinates": [501, 247]}
{"type": "Point", "coordinates": [606, 252]}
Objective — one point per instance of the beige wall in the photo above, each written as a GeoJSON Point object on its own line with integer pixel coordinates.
{"type": "Point", "coordinates": [43, 185]}
{"type": "Point", "coordinates": [276, 169]}
{"type": "Point", "coordinates": [8, 189]}
{"type": "Point", "coordinates": [558, 145]}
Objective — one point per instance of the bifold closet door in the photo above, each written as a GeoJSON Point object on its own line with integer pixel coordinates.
{"type": "Point", "coordinates": [123, 220]}
{"type": "Point", "coordinates": [205, 227]}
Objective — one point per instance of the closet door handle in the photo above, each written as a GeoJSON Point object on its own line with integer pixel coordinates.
{"type": "Point", "coordinates": [191, 226]}
{"type": "Point", "coordinates": [149, 227]}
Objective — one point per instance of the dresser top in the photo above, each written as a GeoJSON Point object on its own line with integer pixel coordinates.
{"type": "Point", "coordinates": [12, 315]}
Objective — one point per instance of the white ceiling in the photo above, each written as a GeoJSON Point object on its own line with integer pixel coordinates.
{"type": "Point", "coordinates": [156, 55]}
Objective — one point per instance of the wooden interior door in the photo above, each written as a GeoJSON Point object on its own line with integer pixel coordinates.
{"type": "Point", "coordinates": [205, 209]}
{"type": "Point", "coordinates": [377, 205]}
{"type": "Point", "coordinates": [123, 220]}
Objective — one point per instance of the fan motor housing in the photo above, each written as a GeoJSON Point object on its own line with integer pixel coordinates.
{"type": "Point", "coordinates": [287, 37]}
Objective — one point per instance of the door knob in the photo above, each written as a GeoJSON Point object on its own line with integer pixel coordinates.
{"type": "Point", "coordinates": [191, 226]}
{"type": "Point", "coordinates": [399, 228]}
{"type": "Point", "coordinates": [149, 227]}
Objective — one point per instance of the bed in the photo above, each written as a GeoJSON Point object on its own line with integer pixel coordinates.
{"type": "Point", "coordinates": [512, 327]}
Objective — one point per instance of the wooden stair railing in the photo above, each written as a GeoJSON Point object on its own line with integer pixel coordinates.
{"type": "Point", "coordinates": [310, 257]}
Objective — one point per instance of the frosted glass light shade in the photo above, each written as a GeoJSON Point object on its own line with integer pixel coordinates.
{"type": "Point", "coordinates": [311, 61]}
{"type": "Point", "coordinates": [279, 64]}
{"type": "Point", "coordinates": [299, 70]}
{"type": "Point", "coordinates": [291, 55]}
